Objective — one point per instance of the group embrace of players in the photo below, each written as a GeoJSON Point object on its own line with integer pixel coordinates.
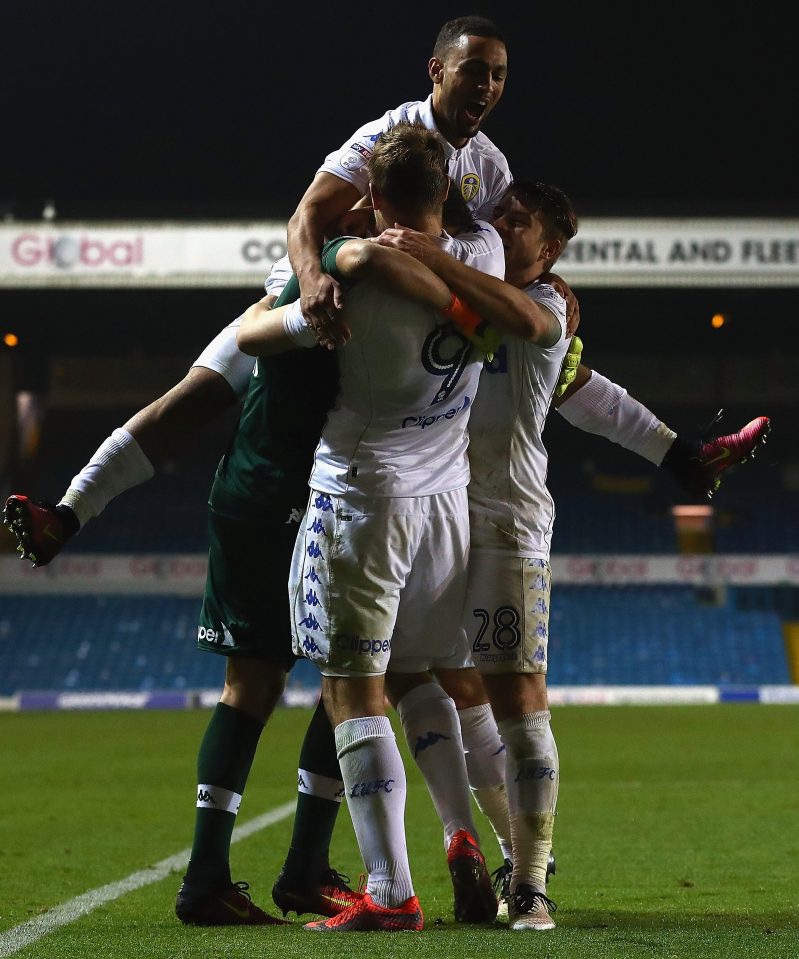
{"type": "Point", "coordinates": [410, 370]}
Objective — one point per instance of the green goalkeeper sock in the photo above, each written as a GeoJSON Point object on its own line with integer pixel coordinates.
{"type": "Point", "coordinates": [320, 791]}
{"type": "Point", "coordinates": [223, 765]}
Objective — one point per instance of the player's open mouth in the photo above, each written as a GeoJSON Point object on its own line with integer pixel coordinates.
{"type": "Point", "coordinates": [474, 111]}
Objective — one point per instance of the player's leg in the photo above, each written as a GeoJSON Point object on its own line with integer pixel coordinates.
{"type": "Point", "coordinates": [375, 785]}
{"type": "Point", "coordinates": [430, 723]}
{"type": "Point", "coordinates": [594, 404]}
{"type": "Point", "coordinates": [243, 617]}
{"type": "Point", "coordinates": [208, 895]}
{"type": "Point", "coordinates": [432, 730]}
{"type": "Point", "coordinates": [485, 763]}
{"type": "Point", "coordinates": [341, 574]}
{"type": "Point", "coordinates": [428, 636]}
{"type": "Point", "coordinates": [307, 882]}
{"type": "Point", "coordinates": [125, 459]}
{"type": "Point", "coordinates": [483, 747]}
{"type": "Point", "coordinates": [509, 642]}
{"type": "Point", "coordinates": [532, 780]}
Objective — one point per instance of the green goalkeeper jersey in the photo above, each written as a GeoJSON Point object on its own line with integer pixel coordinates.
{"type": "Point", "coordinates": [268, 461]}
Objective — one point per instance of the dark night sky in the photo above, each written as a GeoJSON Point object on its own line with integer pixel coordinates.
{"type": "Point", "coordinates": [201, 110]}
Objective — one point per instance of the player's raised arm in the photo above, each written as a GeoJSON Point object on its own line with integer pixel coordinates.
{"type": "Point", "coordinates": [503, 306]}
{"type": "Point", "coordinates": [326, 199]}
{"type": "Point", "coordinates": [264, 331]}
{"type": "Point", "coordinates": [393, 269]}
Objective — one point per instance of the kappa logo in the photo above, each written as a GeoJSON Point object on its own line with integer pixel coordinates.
{"type": "Point", "coordinates": [423, 742]}
{"type": "Point", "coordinates": [295, 516]}
{"type": "Point", "coordinates": [470, 186]}
{"type": "Point", "coordinates": [204, 796]}
{"type": "Point", "coordinates": [311, 598]}
{"type": "Point", "coordinates": [309, 645]}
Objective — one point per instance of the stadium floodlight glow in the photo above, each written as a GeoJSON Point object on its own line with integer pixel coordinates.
{"type": "Point", "coordinates": [691, 519]}
{"type": "Point", "coordinates": [691, 511]}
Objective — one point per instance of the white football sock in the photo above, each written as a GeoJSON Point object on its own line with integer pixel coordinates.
{"type": "Point", "coordinates": [532, 778]}
{"type": "Point", "coordinates": [374, 778]}
{"type": "Point", "coordinates": [119, 464]}
{"type": "Point", "coordinates": [606, 409]}
{"type": "Point", "coordinates": [485, 765]}
{"type": "Point", "coordinates": [430, 722]}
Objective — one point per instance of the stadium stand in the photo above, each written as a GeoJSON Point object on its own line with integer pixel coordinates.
{"type": "Point", "coordinates": [660, 635]}
{"type": "Point", "coordinates": [608, 502]}
{"type": "Point", "coordinates": [653, 635]}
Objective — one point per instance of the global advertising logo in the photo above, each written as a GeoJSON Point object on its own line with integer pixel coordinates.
{"type": "Point", "coordinates": [67, 251]}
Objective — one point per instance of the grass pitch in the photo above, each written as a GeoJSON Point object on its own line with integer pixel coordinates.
{"type": "Point", "coordinates": [676, 837]}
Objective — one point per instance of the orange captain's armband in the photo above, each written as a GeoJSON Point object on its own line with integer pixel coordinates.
{"type": "Point", "coordinates": [474, 327]}
{"type": "Point", "coordinates": [463, 316]}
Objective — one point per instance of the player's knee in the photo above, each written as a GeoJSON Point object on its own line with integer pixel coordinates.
{"type": "Point", "coordinates": [399, 684]}
{"type": "Point", "coordinates": [464, 686]}
{"type": "Point", "coordinates": [253, 686]}
{"type": "Point", "coordinates": [516, 694]}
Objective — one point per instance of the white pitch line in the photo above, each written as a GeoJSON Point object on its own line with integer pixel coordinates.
{"type": "Point", "coordinates": [16, 938]}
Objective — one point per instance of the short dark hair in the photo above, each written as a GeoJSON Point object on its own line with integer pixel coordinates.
{"type": "Point", "coordinates": [453, 30]}
{"type": "Point", "coordinates": [457, 215]}
{"type": "Point", "coordinates": [549, 203]}
{"type": "Point", "coordinates": [409, 166]}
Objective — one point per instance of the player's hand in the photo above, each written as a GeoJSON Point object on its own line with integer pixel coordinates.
{"type": "Point", "coordinates": [572, 306]}
{"type": "Point", "coordinates": [568, 369]}
{"type": "Point", "coordinates": [321, 301]}
{"type": "Point", "coordinates": [418, 245]}
{"type": "Point", "coordinates": [486, 338]}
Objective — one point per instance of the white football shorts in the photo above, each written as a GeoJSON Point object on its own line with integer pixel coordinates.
{"type": "Point", "coordinates": [224, 357]}
{"type": "Point", "coordinates": [506, 616]}
{"type": "Point", "coordinates": [375, 579]}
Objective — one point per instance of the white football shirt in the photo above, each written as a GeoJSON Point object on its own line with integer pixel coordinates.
{"type": "Point", "coordinates": [510, 506]}
{"type": "Point", "coordinates": [408, 380]}
{"type": "Point", "coordinates": [478, 169]}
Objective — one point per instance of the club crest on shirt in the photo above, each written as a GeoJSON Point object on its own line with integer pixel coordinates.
{"type": "Point", "coordinates": [470, 184]}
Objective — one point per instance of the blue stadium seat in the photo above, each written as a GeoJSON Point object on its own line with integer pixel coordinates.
{"type": "Point", "coordinates": [656, 635]}
{"type": "Point", "coordinates": [660, 635]}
